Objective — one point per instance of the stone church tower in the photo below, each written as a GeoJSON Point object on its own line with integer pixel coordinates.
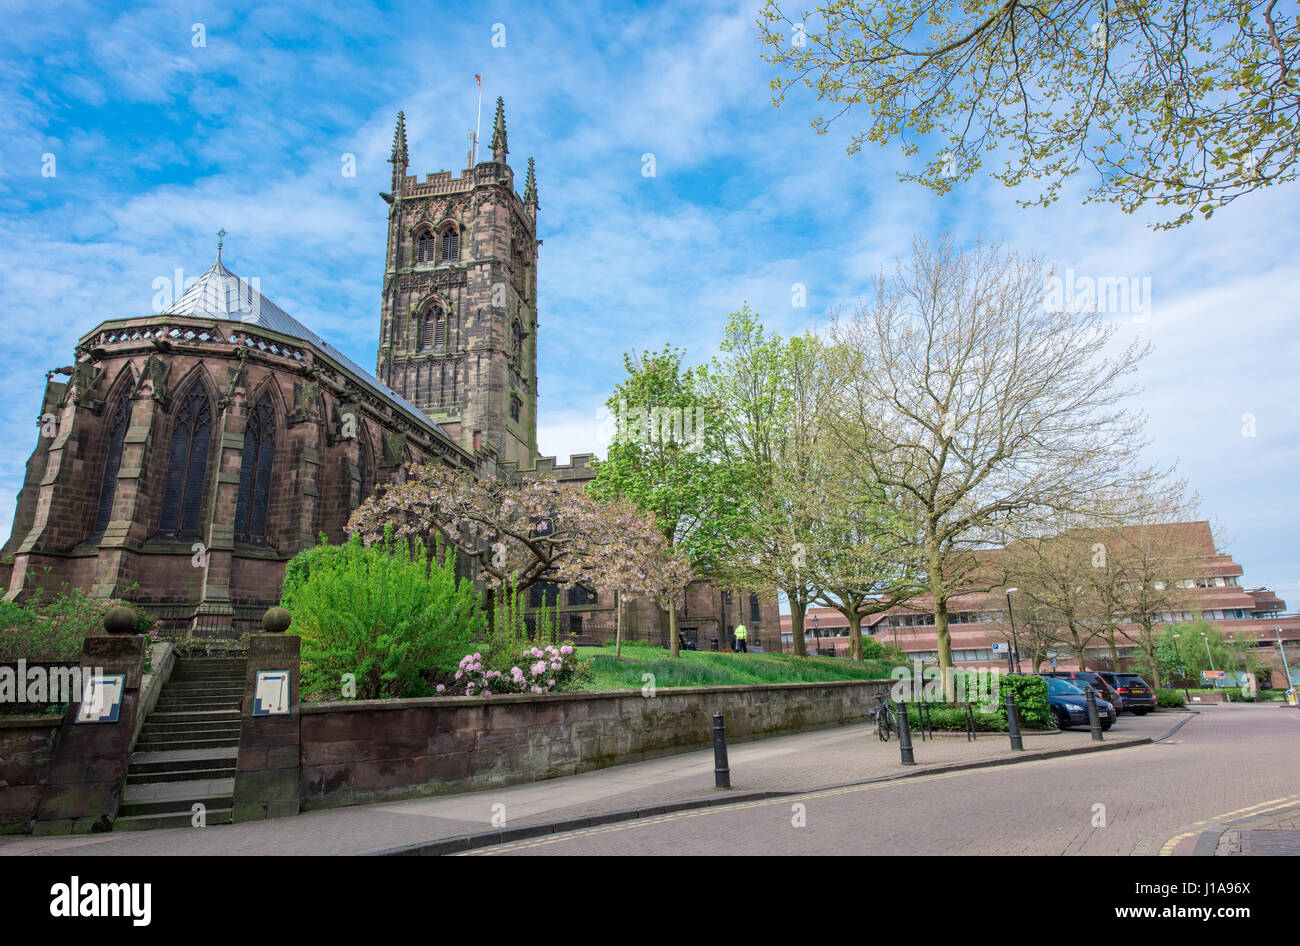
{"type": "Point", "coordinates": [458, 330]}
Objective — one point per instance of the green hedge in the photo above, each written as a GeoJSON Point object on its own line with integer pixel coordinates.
{"type": "Point", "coordinates": [1170, 699]}
{"type": "Point", "coordinates": [1031, 705]}
{"type": "Point", "coordinates": [948, 718]}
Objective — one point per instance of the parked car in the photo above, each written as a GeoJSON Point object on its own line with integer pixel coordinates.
{"type": "Point", "coordinates": [1132, 692]}
{"type": "Point", "coordinates": [1069, 705]}
{"type": "Point", "coordinates": [1090, 678]}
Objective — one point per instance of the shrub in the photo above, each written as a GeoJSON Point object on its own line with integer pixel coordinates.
{"type": "Point", "coordinates": [872, 649]}
{"type": "Point", "coordinates": [953, 718]}
{"type": "Point", "coordinates": [53, 629]}
{"type": "Point", "coordinates": [389, 613]}
{"type": "Point", "coordinates": [1031, 700]}
{"type": "Point", "coordinates": [511, 642]}
{"type": "Point", "coordinates": [541, 670]}
{"type": "Point", "coordinates": [1169, 699]}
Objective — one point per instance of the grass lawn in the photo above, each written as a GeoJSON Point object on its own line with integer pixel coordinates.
{"type": "Point", "coordinates": [705, 668]}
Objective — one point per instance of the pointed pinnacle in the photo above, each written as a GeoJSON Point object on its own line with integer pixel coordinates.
{"type": "Point", "coordinates": [399, 141]}
{"type": "Point", "coordinates": [499, 129]}
{"type": "Point", "coordinates": [530, 185]}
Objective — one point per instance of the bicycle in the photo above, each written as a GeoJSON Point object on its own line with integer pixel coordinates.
{"type": "Point", "coordinates": [886, 718]}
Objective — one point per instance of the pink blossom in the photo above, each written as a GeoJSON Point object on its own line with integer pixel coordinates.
{"type": "Point", "coordinates": [441, 687]}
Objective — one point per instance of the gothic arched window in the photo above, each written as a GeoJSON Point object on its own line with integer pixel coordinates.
{"type": "Point", "coordinates": [255, 472]}
{"type": "Point", "coordinates": [426, 245]}
{"type": "Point", "coordinates": [117, 425]}
{"type": "Point", "coordinates": [360, 489]}
{"type": "Point", "coordinates": [187, 466]}
{"type": "Point", "coordinates": [433, 328]}
{"type": "Point", "coordinates": [451, 242]}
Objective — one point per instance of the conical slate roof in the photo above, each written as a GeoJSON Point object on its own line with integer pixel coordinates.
{"type": "Point", "coordinates": [220, 294]}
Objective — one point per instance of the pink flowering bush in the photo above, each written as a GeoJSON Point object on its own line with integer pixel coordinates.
{"type": "Point", "coordinates": [542, 670]}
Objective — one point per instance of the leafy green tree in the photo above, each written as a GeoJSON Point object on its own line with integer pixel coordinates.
{"type": "Point", "coordinates": [862, 543]}
{"type": "Point", "coordinates": [766, 391]}
{"type": "Point", "coordinates": [1182, 103]}
{"type": "Point", "coordinates": [1183, 651]}
{"type": "Point", "coordinates": [665, 459]}
{"type": "Point", "coordinates": [390, 614]}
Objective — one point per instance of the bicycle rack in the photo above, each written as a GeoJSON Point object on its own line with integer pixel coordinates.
{"type": "Point", "coordinates": [968, 718]}
{"type": "Point", "coordinates": [924, 725]}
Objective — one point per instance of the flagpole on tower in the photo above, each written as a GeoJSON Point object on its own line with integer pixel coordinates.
{"type": "Point", "coordinates": [478, 127]}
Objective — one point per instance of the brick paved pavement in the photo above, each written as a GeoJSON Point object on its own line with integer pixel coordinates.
{"type": "Point", "coordinates": [800, 762]}
{"type": "Point", "coordinates": [1221, 764]}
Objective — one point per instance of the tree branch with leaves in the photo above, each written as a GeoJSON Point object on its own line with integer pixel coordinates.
{"type": "Point", "coordinates": [1188, 104]}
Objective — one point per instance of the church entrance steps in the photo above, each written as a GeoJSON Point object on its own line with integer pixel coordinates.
{"type": "Point", "coordinates": [179, 704]}
{"type": "Point", "coordinates": [176, 760]}
{"type": "Point", "coordinates": [187, 749]}
{"type": "Point", "coordinates": [175, 820]}
{"type": "Point", "coordinates": [183, 715]}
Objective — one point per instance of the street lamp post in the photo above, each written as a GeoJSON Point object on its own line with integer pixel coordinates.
{"type": "Point", "coordinates": [1015, 643]}
{"type": "Point", "coordinates": [1282, 651]}
{"type": "Point", "coordinates": [1205, 638]}
{"type": "Point", "coordinates": [1182, 669]}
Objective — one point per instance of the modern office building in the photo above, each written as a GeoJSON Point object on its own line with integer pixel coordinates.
{"type": "Point", "coordinates": [1211, 587]}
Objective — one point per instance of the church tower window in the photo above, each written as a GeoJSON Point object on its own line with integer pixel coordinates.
{"type": "Point", "coordinates": [433, 328]}
{"type": "Point", "coordinates": [113, 461]}
{"type": "Point", "coordinates": [255, 473]}
{"type": "Point", "coordinates": [187, 466]}
{"type": "Point", "coordinates": [451, 242]}
{"type": "Point", "coordinates": [426, 247]}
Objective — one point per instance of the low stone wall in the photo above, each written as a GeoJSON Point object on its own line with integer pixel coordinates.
{"type": "Point", "coordinates": [26, 747]}
{"type": "Point", "coordinates": [162, 658]}
{"type": "Point", "coordinates": [357, 752]}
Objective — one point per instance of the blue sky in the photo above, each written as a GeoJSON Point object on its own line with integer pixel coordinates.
{"type": "Point", "coordinates": [158, 143]}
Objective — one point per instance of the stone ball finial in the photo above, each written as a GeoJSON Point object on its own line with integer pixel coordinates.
{"type": "Point", "coordinates": [120, 620]}
{"type": "Point", "coordinates": [276, 620]}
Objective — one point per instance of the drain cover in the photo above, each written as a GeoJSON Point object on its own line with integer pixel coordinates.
{"type": "Point", "coordinates": [1268, 842]}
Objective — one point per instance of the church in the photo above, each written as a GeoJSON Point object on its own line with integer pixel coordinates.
{"type": "Point", "coordinates": [185, 456]}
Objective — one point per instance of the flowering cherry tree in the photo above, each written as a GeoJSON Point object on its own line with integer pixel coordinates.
{"type": "Point", "coordinates": [540, 530]}
{"type": "Point", "coordinates": [647, 567]}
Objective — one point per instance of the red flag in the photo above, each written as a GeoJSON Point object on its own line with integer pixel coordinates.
{"type": "Point", "coordinates": [478, 79]}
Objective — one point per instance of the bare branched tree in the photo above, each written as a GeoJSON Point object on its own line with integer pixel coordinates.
{"type": "Point", "coordinates": [995, 416]}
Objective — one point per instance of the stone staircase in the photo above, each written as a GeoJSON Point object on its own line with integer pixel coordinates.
{"type": "Point", "coordinates": [187, 748]}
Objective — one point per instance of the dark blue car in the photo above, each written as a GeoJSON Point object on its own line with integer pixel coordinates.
{"type": "Point", "coordinates": [1069, 705]}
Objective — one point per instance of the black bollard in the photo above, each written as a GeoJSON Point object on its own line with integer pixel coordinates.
{"type": "Point", "coordinates": [905, 736]}
{"type": "Point", "coordinates": [721, 773]}
{"type": "Point", "coordinates": [1094, 722]}
{"type": "Point", "coordinates": [1013, 724]}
